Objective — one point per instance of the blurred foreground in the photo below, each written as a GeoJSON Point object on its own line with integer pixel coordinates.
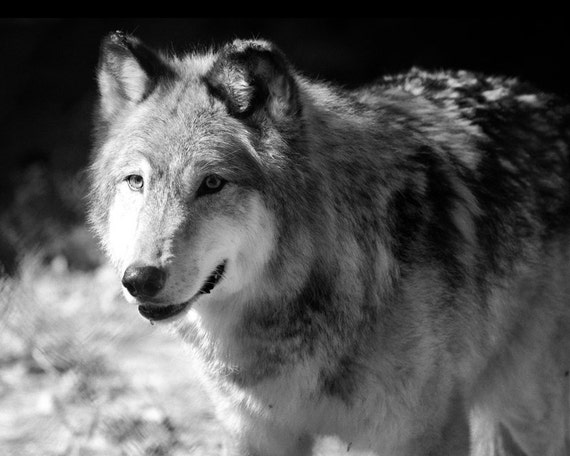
{"type": "Point", "coordinates": [82, 374]}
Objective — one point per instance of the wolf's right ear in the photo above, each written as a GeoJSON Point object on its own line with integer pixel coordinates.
{"type": "Point", "coordinates": [251, 77]}
{"type": "Point", "coordinates": [128, 72]}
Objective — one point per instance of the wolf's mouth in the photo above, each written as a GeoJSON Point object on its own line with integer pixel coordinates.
{"type": "Point", "coordinates": [156, 313]}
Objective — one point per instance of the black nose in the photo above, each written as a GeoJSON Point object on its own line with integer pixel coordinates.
{"type": "Point", "coordinates": [144, 281]}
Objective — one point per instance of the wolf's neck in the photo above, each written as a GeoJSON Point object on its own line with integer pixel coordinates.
{"type": "Point", "coordinates": [322, 321]}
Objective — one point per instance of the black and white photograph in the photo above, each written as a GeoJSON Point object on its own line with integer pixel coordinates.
{"type": "Point", "coordinates": [285, 237]}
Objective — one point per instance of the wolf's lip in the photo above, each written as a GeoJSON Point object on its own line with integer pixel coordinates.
{"type": "Point", "coordinates": [157, 313]}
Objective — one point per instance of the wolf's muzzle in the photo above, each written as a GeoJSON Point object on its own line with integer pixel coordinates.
{"type": "Point", "coordinates": [161, 312]}
{"type": "Point", "coordinates": [143, 281]}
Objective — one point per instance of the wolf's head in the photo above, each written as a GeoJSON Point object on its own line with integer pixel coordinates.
{"type": "Point", "coordinates": [197, 174]}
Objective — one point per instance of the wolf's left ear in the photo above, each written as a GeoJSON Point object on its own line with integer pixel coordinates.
{"type": "Point", "coordinates": [128, 72]}
{"type": "Point", "coordinates": [252, 75]}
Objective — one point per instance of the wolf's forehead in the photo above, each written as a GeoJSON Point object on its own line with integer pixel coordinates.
{"type": "Point", "coordinates": [186, 137]}
{"type": "Point", "coordinates": [187, 89]}
{"type": "Point", "coordinates": [186, 133]}
{"type": "Point", "coordinates": [182, 117]}
{"type": "Point", "coordinates": [186, 99]}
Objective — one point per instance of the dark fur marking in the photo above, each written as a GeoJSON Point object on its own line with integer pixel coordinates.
{"type": "Point", "coordinates": [442, 237]}
{"type": "Point", "coordinates": [295, 324]}
{"type": "Point", "coordinates": [358, 197]}
{"type": "Point", "coordinates": [498, 194]}
{"type": "Point", "coordinates": [406, 219]}
{"type": "Point", "coordinates": [342, 381]}
{"type": "Point", "coordinates": [528, 189]}
{"type": "Point", "coordinates": [246, 73]}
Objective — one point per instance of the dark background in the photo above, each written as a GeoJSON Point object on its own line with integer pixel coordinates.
{"type": "Point", "coordinates": [47, 88]}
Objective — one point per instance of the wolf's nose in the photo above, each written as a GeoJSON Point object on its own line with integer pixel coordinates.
{"type": "Point", "coordinates": [143, 281]}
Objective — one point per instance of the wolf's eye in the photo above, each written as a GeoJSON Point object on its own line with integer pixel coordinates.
{"type": "Point", "coordinates": [211, 184]}
{"type": "Point", "coordinates": [135, 182]}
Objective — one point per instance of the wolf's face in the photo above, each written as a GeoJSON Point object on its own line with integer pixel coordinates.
{"type": "Point", "coordinates": [180, 196]}
{"type": "Point", "coordinates": [186, 235]}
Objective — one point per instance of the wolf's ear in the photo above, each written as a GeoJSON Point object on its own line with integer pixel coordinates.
{"type": "Point", "coordinates": [128, 72]}
{"type": "Point", "coordinates": [251, 75]}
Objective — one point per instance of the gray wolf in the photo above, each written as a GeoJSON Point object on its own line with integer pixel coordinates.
{"type": "Point", "coordinates": [389, 265]}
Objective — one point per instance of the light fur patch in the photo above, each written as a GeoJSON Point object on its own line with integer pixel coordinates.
{"type": "Point", "coordinates": [247, 246]}
{"type": "Point", "coordinates": [134, 79]}
{"type": "Point", "coordinates": [127, 86]}
{"type": "Point", "coordinates": [530, 99]}
{"type": "Point", "coordinates": [123, 223]}
{"type": "Point", "coordinates": [108, 88]}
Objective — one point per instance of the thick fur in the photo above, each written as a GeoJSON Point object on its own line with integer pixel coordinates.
{"type": "Point", "coordinates": [398, 256]}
